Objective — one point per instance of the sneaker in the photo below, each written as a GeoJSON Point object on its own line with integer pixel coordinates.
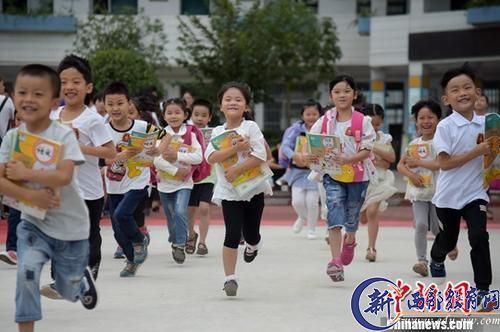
{"type": "Point", "coordinates": [421, 268]}
{"type": "Point", "coordinates": [297, 226]}
{"type": "Point", "coordinates": [311, 235]}
{"type": "Point", "coordinates": [230, 287]}
{"type": "Point", "coordinates": [141, 251]}
{"type": "Point", "coordinates": [249, 254]}
{"type": "Point", "coordinates": [89, 298]}
{"type": "Point", "coordinates": [335, 270]}
{"type": "Point", "coordinates": [119, 253]}
{"type": "Point", "coordinates": [50, 291]}
{"type": "Point", "coordinates": [347, 253]}
{"type": "Point", "coordinates": [484, 302]}
{"type": "Point", "coordinates": [129, 270]}
{"type": "Point", "coordinates": [437, 269]}
{"type": "Point", "coordinates": [202, 249]}
{"type": "Point", "coordinates": [371, 254]}
{"type": "Point", "coordinates": [452, 255]}
{"type": "Point", "coordinates": [144, 230]}
{"type": "Point", "coordinates": [9, 257]}
{"type": "Point", "coordinates": [178, 254]}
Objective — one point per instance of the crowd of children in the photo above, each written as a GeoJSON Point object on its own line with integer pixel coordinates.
{"type": "Point", "coordinates": [190, 165]}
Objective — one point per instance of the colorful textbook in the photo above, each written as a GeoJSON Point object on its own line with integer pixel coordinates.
{"type": "Point", "coordinates": [207, 134]}
{"type": "Point", "coordinates": [248, 180]}
{"type": "Point", "coordinates": [37, 153]}
{"type": "Point", "coordinates": [422, 151]}
{"type": "Point", "coordinates": [142, 141]}
{"type": "Point", "coordinates": [492, 161]}
{"type": "Point", "coordinates": [179, 147]}
{"type": "Point", "coordinates": [324, 148]}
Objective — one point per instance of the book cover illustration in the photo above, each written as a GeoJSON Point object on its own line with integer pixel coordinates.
{"type": "Point", "coordinates": [248, 180]}
{"type": "Point", "coordinates": [492, 160]}
{"type": "Point", "coordinates": [207, 134]}
{"type": "Point", "coordinates": [37, 153]}
{"type": "Point", "coordinates": [421, 151]}
{"type": "Point", "coordinates": [324, 148]}
{"type": "Point", "coordinates": [182, 148]}
{"type": "Point", "coordinates": [143, 142]}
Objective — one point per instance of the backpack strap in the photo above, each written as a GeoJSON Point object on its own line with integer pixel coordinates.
{"type": "Point", "coordinates": [187, 136]}
{"type": "Point", "coordinates": [324, 124]}
{"type": "Point", "coordinates": [357, 126]}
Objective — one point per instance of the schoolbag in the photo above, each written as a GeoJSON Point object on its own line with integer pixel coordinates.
{"type": "Point", "coordinates": [293, 130]}
{"type": "Point", "coordinates": [202, 170]}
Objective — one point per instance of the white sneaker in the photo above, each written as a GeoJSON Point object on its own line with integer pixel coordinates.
{"type": "Point", "coordinates": [297, 226]}
{"type": "Point", "coordinates": [311, 235]}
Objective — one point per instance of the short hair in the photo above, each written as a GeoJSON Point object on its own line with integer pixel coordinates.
{"type": "Point", "coordinates": [373, 109]}
{"type": "Point", "coordinates": [204, 103]}
{"type": "Point", "coordinates": [430, 104]}
{"type": "Point", "coordinates": [97, 96]}
{"type": "Point", "coordinates": [465, 69]}
{"type": "Point", "coordinates": [312, 103]}
{"type": "Point", "coordinates": [80, 64]}
{"type": "Point", "coordinates": [38, 70]}
{"type": "Point", "coordinates": [485, 97]}
{"type": "Point", "coordinates": [245, 91]}
{"type": "Point", "coordinates": [343, 78]}
{"type": "Point", "coordinates": [116, 88]}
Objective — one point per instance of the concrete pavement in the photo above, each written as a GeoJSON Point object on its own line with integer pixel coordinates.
{"type": "Point", "coordinates": [284, 289]}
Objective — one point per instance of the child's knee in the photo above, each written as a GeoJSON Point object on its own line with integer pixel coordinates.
{"type": "Point", "coordinates": [478, 237]}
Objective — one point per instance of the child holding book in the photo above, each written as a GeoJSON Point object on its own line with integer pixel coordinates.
{"type": "Point", "coordinates": [62, 234]}
{"type": "Point", "coordinates": [201, 195]}
{"type": "Point", "coordinates": [127, 183]}
{"type": "Point", "coordinates": [382, 187]}
{"type": "Point", "coordinates": [459, 189]}
{"type": "Point", "coordinates": [345, 190]}
{"type": "Point", "coordinates": [241, 212]}
{"type": "Point", "coordinates": [175, 173]}
{"type": "Point", "coordinates": [305, 194]}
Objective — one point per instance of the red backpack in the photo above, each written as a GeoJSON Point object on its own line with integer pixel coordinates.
{"type": "Point", "coordinates": [202, 170]}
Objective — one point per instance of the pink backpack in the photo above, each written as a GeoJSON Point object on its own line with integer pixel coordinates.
{"type": "Point", "coordinates": [356, 132]}
{"type": "Point", "coordinates": [201, 171]}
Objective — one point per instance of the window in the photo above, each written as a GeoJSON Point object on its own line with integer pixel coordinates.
{"type": "Point", "coordinates": [363, 7]}
{"type": "Point", "coordinates": [25, 7]}
{"type": "Point", "coordinates": [195, 7]}
{"type": "Point", "coordinates": [458, 4]}
{"type": "Point", "coordinates": [492, 91]}
{"type": "Point", "coordinates": [115, 6]}
{"type": "Point", "coordinates": [397, 7]}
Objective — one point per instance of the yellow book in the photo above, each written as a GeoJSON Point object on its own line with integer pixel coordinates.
{"type": "Point", "coordinates": [492, 161]}
{"type": "Point", "coordinates": [179, 147]}
{"type": "Point", "coordinates": [37, 153]}
{"type": "Point", "coordinates": [143, 142]}
{"type": "Point", "coordinates": [422, 151]}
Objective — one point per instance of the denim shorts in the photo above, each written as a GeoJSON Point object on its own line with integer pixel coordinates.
{"type": "Point", "coordinates": [344, 201]}
{"type": "Point", "coordinates": [34, 249]}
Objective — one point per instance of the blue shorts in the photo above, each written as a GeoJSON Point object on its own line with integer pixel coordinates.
{"type": "Point", "coordinates": [34, 249]}
{"type": "Point", "coordinates": [344, 201]}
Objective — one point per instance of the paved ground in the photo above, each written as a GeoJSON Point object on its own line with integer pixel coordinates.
{"type": "Point", "coordinates": [284, 289]}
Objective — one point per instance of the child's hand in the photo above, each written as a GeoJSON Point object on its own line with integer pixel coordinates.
{"type": "Point", "coordinates": [182, 172]}
{"type": "Point", "coordinates": [15, 171]}
{"type": "Point", "coordinates": [153, 152]}
{"type": "Point", "coordinates": [483, 148]}
{"type": "Point", "coordinates": [341, 159]}
{"type": "Point", "coordinates": [170, 155]}
{"type": "Point", "coordinates": [45, 199]}
{"type": "Point", "coordinates": [417, 180]}
{"type": "Point", "coordinates": [412, 162]}
{"type": "Point", "coordinates": [242, 145]}
{"type": "Point", "coordinates": [231, 174]}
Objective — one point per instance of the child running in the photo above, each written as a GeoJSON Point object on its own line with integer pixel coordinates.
{"type": "Point", "coordinates": [345, 192]}
{"type": "Point", "coordinates": [127, 184]}
{"type": "Point", "coordinates": [201, 195]}
{"type": "Point", "coordinates": [240, 212]}
{"type": "Point", "coordinates": [382, 186]}
{"type": "Point", "coordinates": [62, 235]}
{"type": "Point", "coordinates": [305, 194]}
{"type": "Point", "coordinates": [420, 166]}
{"type": "Point", "coordinates": [459, 189]}
{"type": "Point", "coordinates": [175, 173]}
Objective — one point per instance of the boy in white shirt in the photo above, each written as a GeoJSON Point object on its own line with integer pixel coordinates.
{"type": "Point", "coordinates": [459, 189]}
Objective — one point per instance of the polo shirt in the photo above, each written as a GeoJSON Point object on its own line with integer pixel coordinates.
{"type": "Point", "coordinates": [459, 186]}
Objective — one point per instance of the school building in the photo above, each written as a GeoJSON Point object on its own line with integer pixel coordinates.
{"type": "Point", "coordinates": [396, 50]}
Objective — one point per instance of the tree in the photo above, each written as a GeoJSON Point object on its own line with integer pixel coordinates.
{"type": "Point", "coordinates": [282, 43]}
{"type": "Point", "coordinates": [124, 47]}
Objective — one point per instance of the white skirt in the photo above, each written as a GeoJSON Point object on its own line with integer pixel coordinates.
{"type": "Point", "coordinates": [380, 191]}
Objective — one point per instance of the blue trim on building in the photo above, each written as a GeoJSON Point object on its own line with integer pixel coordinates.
{"type": "Point", "coordinates": [483, 15]}
{"type": "Point", "coordinates": [15, 23]}
{"type": "Point", "coordinates": [364, 25]}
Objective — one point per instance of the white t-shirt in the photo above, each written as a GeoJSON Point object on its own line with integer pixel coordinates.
{"type": "Point", "coordinates": [91, 131]}
{"type": "Point", "coordinates": [224, 190]}
{"type": "Point", "coordinates": [348, 142]}
{"type": "Point", "coordinates": [70, 221]}
{"type": "Point", "coordinates": [459, 186]}
{"type": "Point", "coordinates": [184, 159]}
{"type": "Point", "coordinates": [6, 114]}
{"type": "Point", "coordinates": [119, 178]}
